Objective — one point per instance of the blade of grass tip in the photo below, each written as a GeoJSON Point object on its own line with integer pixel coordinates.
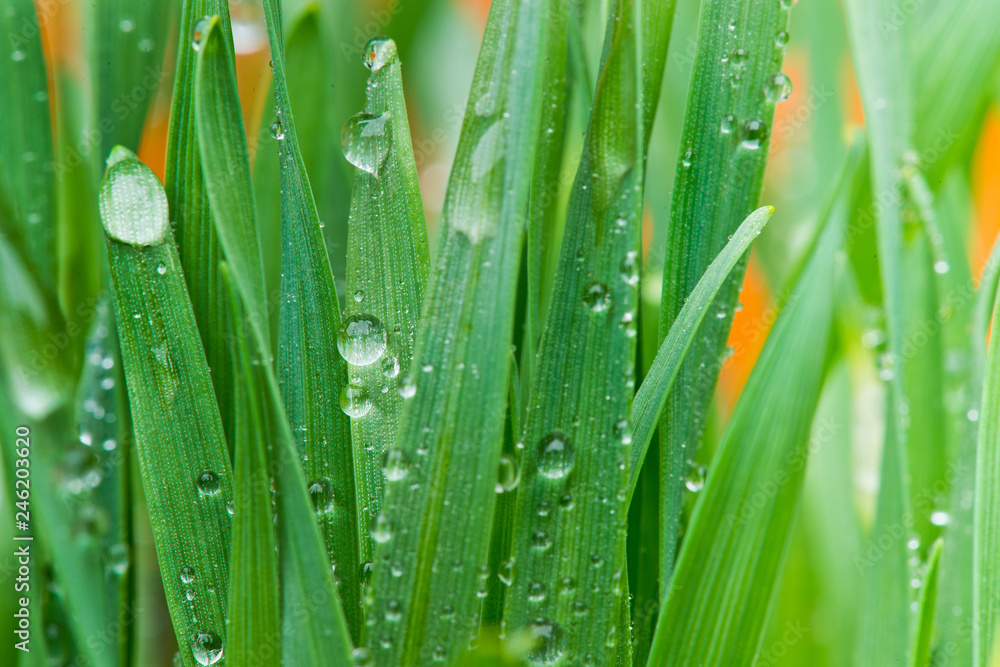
{"type": "Point", "coordinates": [387, 259]}
{"type": "Point", "coordinates": [254, 608]}
{"type": "Point", "coordinates": [311, 374]}
{"type": "Point", "coordinates": [179, 439]}
{"type": "Point", "coordinates": [126, 42]}
{"type": "Point", "coordinates": [986, 521]}
{"type": "Point", "coordinates": [435, 525]}
{"type": "Point", "coordinates": [920, 649]}
{"type": "Point", "coordinates": [737, 537]}
{"type": "Point", "coordinates": [226, 165]}
{"type": "Point", "coordinates": [652, 393]}
{"type": "Point", "coordinates": [878, 57]}
{"type": "Point", "coordinates": [735, 84]}
{"type": "Point", "coordinates": [194, 231]}
{"type": "Point", "coordinates": [577, 442]}
{"type": "Point", "coordinates": [314, 629]}
{"type": "Point", "coordinates": [26, 184]}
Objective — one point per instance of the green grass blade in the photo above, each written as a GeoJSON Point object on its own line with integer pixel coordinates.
{"type": "Point", "coordinates": [182, 452]}
{"type": "Point", "coordinates": [577, 467]}
{"type": "Point", "coordinates": [920, 650]}
{"type": "Point", "coordinates": [311, 374]}
{"type": "Point", "coordinates": [126, 41]}
{"type": "Point", "coordinates": [739, 531]}
{"type": "Point", "coordinates": [195, 234]}
{"type": "Point", "coordinates": [26, 184]}
{"type": "Point", "coordinates": [986, 526]}
{"type": "Point", "coordinates": [387, 260]}
{"type": "Point", "coordinates": [226, 166]}
{"type": "Point", "coordinates": [254, 616]}
{"type": "Point", "coordinates": [719, 175]}
{"type": "Point", "coordinates": [878, 59]}
{"type": "Point", "coordinates": [435, 525]}
{"type": "Point", "coordinates": [653, 391]}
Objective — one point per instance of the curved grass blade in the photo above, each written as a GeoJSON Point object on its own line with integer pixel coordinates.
{"type": "Point", "coordinates": [181, 449]}
{"type": "Point", "coordinates": [26, 183]}
{"type": "Point", "coordinates": [311, 374]}
{"type": "Point", "coordinates": [226, 164]}
{"type": "Point", "coordinates": [254, 616]}
{"type": "Point", "coordinates": [194, 231]}
{"type": "Point", "coordinates": [435, 525]}
{"type": "Point", "coordinates": [920, 650]}
{"type": "Point", "coordinates": [576, 467]}
{"type": "Point", "coordinates": [387, 260]}
{"type": "Point", "coordinates": [653, 391]}
{"type": "Point", "coordinates": [734, 86]}
{"type": "Point", "coordinates": [738, 533]}
{"type": "Point", "coordinates": [878, 60]}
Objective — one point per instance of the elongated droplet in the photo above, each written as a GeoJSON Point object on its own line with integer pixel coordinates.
{"type": "Point", "coordinates": [133, 204]}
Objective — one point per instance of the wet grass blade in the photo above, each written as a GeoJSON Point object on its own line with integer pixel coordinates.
{"type": "Point", "coordinates": [26, 186]}
{"type": "Point", "coordinates": [653, 391]}
{"type": "Point", "coordinates": [435, 525]}
{"type": "Point", "coordinates": [181, 449]}
{"type": "Point", "coordinates": [572, 500]}
{"type": "Point", "coordinates": [311, 374]}
{"type": "Point", "coordinates": [738, 534]}
{"type": "Point", "coordinates": [879, 63]}
{"type": "Point", "coordinates": [387, 262]}
{"type": "Point", "coordinates": [734, 86]}
{"type": "Point", "coordinates": [194, 232]}
{"type": "Point", "coordinates": [920, 650]}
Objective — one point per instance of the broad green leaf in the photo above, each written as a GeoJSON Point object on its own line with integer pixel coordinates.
{"type": "Point", "coordinates": [653, 391]}
{"type": "Point", "coordinates": [435, 525]}
{"type": "Point", "coordinates": [387, 270]}
{"type": "Point", "coordinates": [572, 500]}
{"type": "Point", "coordinates": [226, 165]}
{"type": "Point", "coordinates": [884, 620]}
{"type": "Point", "coordinates": [920, 649]}
{"type": "Point", "coordinates": [197, 242]}
{"type": "Point", "coordinates": [735, 84]}
{"type": "Point", "coordinates": [254, 616]}
{"type": "Point", "coordinates": [27, 204]}
{"type": "Point", "coordinates": [738, 534]}
{"type": "Point", "coordinates": [179, 439]}
{"type": "Point", "coordinates": [311, 374]}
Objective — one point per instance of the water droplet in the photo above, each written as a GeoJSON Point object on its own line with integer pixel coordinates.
{"type": "Point", "coordinates": [207, 648]}
{"type": "Point", "coordinates": [17, 55]}
{"type": "Point", "coordinates": [536, 591]}
{"type": "Point", "coordinates": [687, 158]}
{"type": "Point", "coordinates": [208, 483]}
{"type": "Point", "coordinates": [781, 39]}
{"type": "Point", "coordinates": [393, 610]}
{"type": "Point", "coordinates": [941, 267]}
{"type": "Point", "coordinates": [489, 150]}
{"type": "Point", "coordinates": [390, 366]}
{"type": "Point", "coordinates": [321, 492]}
{"type": "Point", "coordinates": [728, 124]}
{"type": "Point", "coordinates": [940, 518]}
{"type": "Point", "coordinates": [197, 36]}
{"type": "Point", "coordinates": [695, 479]}
{"type": "Point", "coordinates": [359, 296]}
{"type": "Point", "coordinates": [550, 644]}
{"type": "Point", "coordinates": [395, 466]}
{"type": "Point", "coordinates": [630, 268]}
{"type": "Point", "coordinates": [146, 45]}
{"type": "Point", "coordinates": [597, 297]}
{"type": "Point", "coordinates": [187, 575]}
{"type": "Point", "coordinates": [161, 269]}
{"type": "Point", "coordinates": [506, 572]}
{"type": "Point", "coordinates": [507, 475]}
{"type": "Point", "coordinates": [381, 530]}
{"type": "Point", "coordinates": [132, 201]}
{"type": "Point", "coordinates": [567, 585]}
{"type": "Point", "coordinates": [117, 558]}
{"type": "Point", "coordinates": [579, 607]}
{"type": "Point", "coordinates": [753, 133]}
{"type": "Point", "coordinates": [555, 455]}
{"type": "Point", "coordinates": [362, 657]}
{"type": "Point", "coordinates": [365, 141]}
{"type": "Point", "coordinates": [126, 25]}
{"type": "Point", "coordinates": [439, 654]}
{"type": "Point", "coordinates": [355, 400]}
{"type": "Point", "coordinates": [447, 610]}
{"type": "Point", "coordinates": [623, 432]}
{"type": "Point", "coordinates": [596, 560]}
{"type": "Point", "coordinates": [540, 540]}
{"type": "Point", "coordinates": [361, 339]}
{"type": "Point", "coordinates": [779, 88]}
{"type": "Point", "coordinates": [407, 387]}
{"type": "Point", "coordinates": [277, 130]}
{"type": "Point", "coordinates": [378, 51]}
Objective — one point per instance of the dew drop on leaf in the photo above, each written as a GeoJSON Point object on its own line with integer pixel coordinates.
{"type": "Point", "coordinates": [321, 492]}
{"type": "Point", "coordinates": [597, 297]}
{"type": "Point", "coordinates": [378, 51]}
{"type": "Point", "coordinates": [207, 648]}
{"type": "Point", "coordinates": [355, 400]}
{"type": "Point", "coordinates": [362, 339]}
{"type": "Point", "coordinates": [365, 141]}
{"type": "Point", "coordinates": [208, 483]}
{"type": "Point", "coordinates": [555, 455]}
{"type": "Point", "coordinates": [549, 645]}
{"type": "Point", "coordinates": [507, 475]}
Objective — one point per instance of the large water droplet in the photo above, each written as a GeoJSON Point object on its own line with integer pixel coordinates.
{"type": "Point", "coordinates": [133, 204]}
{"type": "Point", "coordinates": [695, 478]}
{"type": "Point", "coordinates": [187, 575]}
{"type": "Point", "coordinates": [778, 88]}
{"type": "Point", "coordinates": [365, 140]}
{"type": "Point", "coordinates": [277, 131]}
{"type": "Point", "coordinates": [753, 133]}
{"type": "Point", "coordinates": [208, 483]}
{"type": "Point", "coordinates": [488, 151]}
{"type": "Point", "coordinates": [597, 297]}
{"type": "Point", "coordinates": [197, 38]}
{"type": "Point", "coordinates": [362, 657]}
{"type": "Point", "coordinates": [396, 465]}
{"type": "Point", "coordinates": [550, 643]}
{"type": "Point", "coordinates": [355, 400]}
{"type": "Point", "coordinates": [728, 124]}
{"type": "Point", "coordinates": [536, 591]}
{"type": "Point", "coordinates": [207, 648]}
{"type": "Point", "coordinates": [378, 51]}
{"type": "Point", "coordinates": [321, 492]}
{"type": "Point", "coordinates": [555, 455]}
{"type": "Point", "coordinates": [361, 339]}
